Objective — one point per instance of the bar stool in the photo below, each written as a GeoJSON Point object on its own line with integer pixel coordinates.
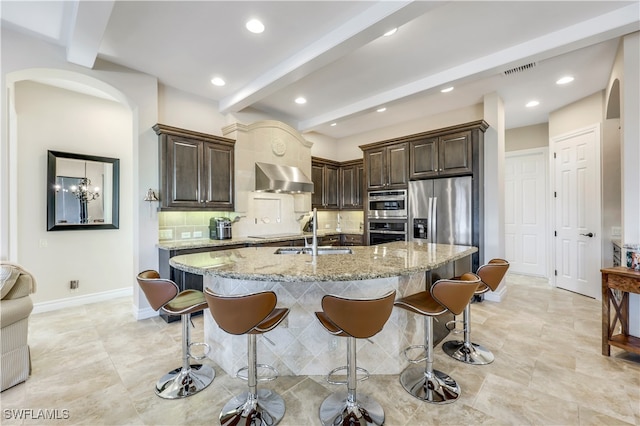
{"type": "Point", "coordinates": [354, 319]}
{"type": "Point", "coordinates": [250, 314]}
{"type": "Point", "coordinates": [451, 295]}
{"type": "Point", "coordinates": [164, 294]}
{"type": "Point", "coordinates": [491, 275]}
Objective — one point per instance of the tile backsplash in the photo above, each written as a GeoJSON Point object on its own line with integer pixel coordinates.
{"type": "Point", "coordinates": [194, 225]}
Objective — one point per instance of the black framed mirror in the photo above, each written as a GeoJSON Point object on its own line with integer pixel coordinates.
{"type": "Point", "coordinates": [83, 192]}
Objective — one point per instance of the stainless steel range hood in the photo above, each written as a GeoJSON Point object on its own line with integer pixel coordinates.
{"type": "Point", "coordinates": [277, 178]}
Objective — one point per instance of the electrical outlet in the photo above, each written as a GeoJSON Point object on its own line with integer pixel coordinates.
{"type": "Point", "coordinates": [43, 242]}
{"type": "Point", "coordinates": [326, 225]}
{"type": "Point", "coordinates": [165, 234]}
{"type": "Point", "coordinates": [197, 234]}
{"type": "Point", "coordinates": [185, 235]}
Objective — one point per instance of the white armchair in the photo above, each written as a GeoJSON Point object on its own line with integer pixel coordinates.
{"type": "Point", "coordinates": [15, 308]}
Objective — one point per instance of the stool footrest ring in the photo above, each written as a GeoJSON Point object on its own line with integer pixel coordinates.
{"type": "Point", "coordinates": [264, 378]}
{"type": "Point", "coordinates": [207, 349]}
{"type": "Point", "coordinates": [415, 360]}
{"type": "Point", "coordinates": [451, 326]}
{"type": "Point", "coordinates": [344, 382]}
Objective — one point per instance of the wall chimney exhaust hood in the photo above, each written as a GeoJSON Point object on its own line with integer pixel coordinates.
{"type": "Point", "coordinates": [277, 178]}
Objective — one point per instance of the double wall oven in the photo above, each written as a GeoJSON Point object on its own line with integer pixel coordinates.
{"type": "Point", "coordinates": [387, 216]}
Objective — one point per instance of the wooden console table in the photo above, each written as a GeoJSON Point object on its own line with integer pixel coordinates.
{"type": "Point", "coordinates": [617, 283]}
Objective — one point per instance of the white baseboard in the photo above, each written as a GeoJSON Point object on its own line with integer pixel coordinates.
{"type": "Point", "coordinates": [55, 305]}
{"type": "Point", "coordinates": [144, 313]}
{"type": "Point", "coordinates": [496, 296]}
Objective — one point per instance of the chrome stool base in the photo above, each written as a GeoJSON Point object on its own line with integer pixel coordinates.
{"type": "Point", "coordinates": [265, 409]}
{"type": "Point", "coordinates": [336, 410]}
{"type": "Point", "coordinates": [439, 388]}
{"type": "Point", "coordinates": [181, 383]}
{"type": "Point", "coordinates": [471, 354]}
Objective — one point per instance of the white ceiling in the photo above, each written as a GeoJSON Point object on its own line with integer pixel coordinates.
{"type": "Point", "coordinates": [332, 53]}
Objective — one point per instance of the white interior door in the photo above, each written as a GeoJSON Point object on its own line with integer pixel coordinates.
{"type": "Point", "coordinates": [577, 211]}
{"type": "Point", "coordinates": [525, 229]}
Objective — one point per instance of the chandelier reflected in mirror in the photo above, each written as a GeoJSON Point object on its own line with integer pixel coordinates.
{"type": "Point", "coordinates": [83, 191]}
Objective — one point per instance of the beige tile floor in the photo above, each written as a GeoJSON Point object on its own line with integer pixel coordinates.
{"type": "Point", "coordinates": [100, 365]}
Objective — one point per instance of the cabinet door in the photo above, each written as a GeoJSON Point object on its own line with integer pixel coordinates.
{"type": "Point", "coordinates": [376, 168]}
{"type": "Point", "coordinates": [347, 186]}
{"type": "Point", "coordinates": [454, 154]}
{"type": "Point", "coordinates": [317, 177]}
{"type": "Point", "coordinates": [183, 172]}
{"type": "Point", "coordinates": [351, 187]}
{"type": "Point", "coordinates": [424, 158]}
{"type": "Point", "coordinates": [331, 187]}
{"type": "Point", "coordinates": [359, 190]}
{"type": "Point", "coordinates": [397, 160]}
{"type": "Point", "coordinates": [217, 189]}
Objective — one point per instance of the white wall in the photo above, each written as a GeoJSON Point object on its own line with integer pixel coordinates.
{"type": "Point", "coordinates": [26, 58]}
{"type": "Point", "coordinates": [582, 113]}
{"type": "Point", "coordinates": [56, 119]}
{"type": "Point", "coordinates": [527, 137]}
{"type": "Point", "coordinates": [179, 109]}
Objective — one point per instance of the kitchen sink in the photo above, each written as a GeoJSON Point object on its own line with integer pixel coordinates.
{"type": "Point", "coordinates": [308, 250]}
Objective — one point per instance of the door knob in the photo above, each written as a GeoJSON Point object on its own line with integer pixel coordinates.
{"type": "Point", "coordinates": [590, 235]}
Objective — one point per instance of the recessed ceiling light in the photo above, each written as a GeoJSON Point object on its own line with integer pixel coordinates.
{"type": "Point", "coordinates": [217, 81]}
{"type": "Point", "coordinates": [301, 100]}
{"type": "Point", "coordinates": [255, 26]}
{"type": "Point", "coordinates": [447, 89]}
{"type": "Point", "coordinates": [565, 80]}
{"type": "Point", "coordinates": [383, 109]}
{"type": "Point", "coordinates": [333, 124]}
{"type": "Point", "coordinates": [390, 32]}
{"type": "Point", "coordinates": [531, 104]}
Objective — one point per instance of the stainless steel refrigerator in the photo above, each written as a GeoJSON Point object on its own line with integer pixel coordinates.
{"type": "Point", "coordinates": [445, 211]}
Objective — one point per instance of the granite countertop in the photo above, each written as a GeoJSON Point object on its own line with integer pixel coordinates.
{"type": "Point", "coordinates": [206, 242]}
{"type": "Point", "coordinates": [366, 262]}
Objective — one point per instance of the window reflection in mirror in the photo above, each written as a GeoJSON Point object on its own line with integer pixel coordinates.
{"type": "Point", "coordinates": [82, 192]}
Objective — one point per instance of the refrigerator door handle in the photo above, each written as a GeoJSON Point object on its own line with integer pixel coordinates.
{"type": "Point", "coordinates": [434, 220]}
{"type": "Point", "coordinates": [429, 219]}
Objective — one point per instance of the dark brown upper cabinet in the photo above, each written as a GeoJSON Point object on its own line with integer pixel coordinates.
{"type": "Point", "coordinates": [447, 155]}
{"type": "Point", "coordinates": [450, 151]}
{"type": "Point", "coordinates": [386, 166]}
{"type": "Point", "coordinates": [352, 185]}
{"type": "Point", "coordinates": [196, 170]}
{"type": "Point", "coordinates": [326, 184]}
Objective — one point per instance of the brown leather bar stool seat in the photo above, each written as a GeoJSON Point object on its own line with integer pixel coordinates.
{"type": "Point", "coordinates": [353, 319]}
{"type": "Point", "coordinates": [491, 275]}
{"type": "Point", "coordinates": [250, 314]}
{"type": "Point", "coordinates": [451, 295]}
{"type": "Point", "coordinates": [164, 294]}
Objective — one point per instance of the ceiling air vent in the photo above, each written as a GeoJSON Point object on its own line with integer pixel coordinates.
{"type": "Point", "coordinates": [521, 68]}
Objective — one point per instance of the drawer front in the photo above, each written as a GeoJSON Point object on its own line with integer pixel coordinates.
{"type": "Point", "coordinates": [627, 284]}
{"type": "Point", "coordinates": [355, 240]}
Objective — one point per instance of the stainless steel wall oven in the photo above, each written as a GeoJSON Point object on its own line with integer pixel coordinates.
{"type": "Point", "coordinates": [387, 204]}
{"type": "Point", "coordinates": [385, 231]}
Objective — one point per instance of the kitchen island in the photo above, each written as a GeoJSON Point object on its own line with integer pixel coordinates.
{"type": "Point", "coordinates": [300, 346]}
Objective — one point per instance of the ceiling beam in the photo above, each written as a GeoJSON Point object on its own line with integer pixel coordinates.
{"type": "Point", "coordinates": [605, 27]}
{"type": "Point", "coordinates": [88, 24]}
{"type": "Point", "coordinates": [351, 35]}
